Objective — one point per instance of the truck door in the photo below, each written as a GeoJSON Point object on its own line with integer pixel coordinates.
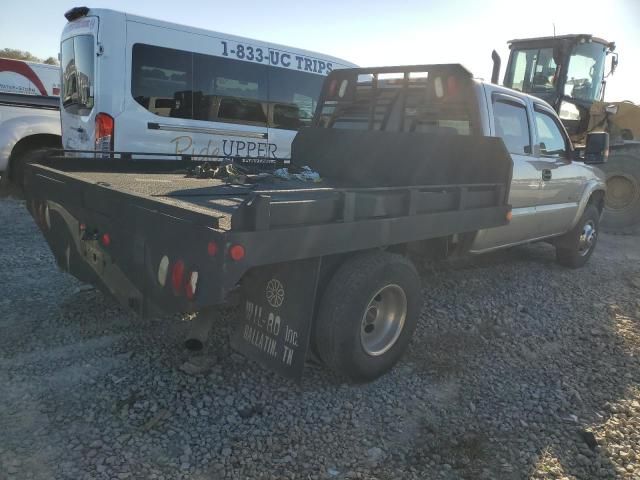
{"type": "Point", "coordinates": [511, 122]}
{"type": "Point", "coordinates": [561, 181]}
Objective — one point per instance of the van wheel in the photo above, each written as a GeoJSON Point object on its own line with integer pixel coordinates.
{"type": "Point", "coordinates": [367, 315]}
{"type": "Point", "coordinates": [574, 248]}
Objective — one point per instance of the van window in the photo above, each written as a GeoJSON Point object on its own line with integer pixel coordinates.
{"type": "Point", "coordinates": [293, 97]}
{"type": "Point", "coordinates": [512, 125]}
{"type": "Point", "coordinates": [229, 91]}
{"type": "Point", "coordinates": [163, 81]}
{"type": "Point", "coordinates": [180, 84]}
{"type": "Point", "coordinates": [77, 74]}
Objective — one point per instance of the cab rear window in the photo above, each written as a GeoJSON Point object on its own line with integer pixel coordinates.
{"type": "Point", "coordinates": [422, 102]}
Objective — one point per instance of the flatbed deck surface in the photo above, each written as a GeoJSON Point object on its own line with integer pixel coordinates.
{"type": "Point", "coordinates": [209, 196]}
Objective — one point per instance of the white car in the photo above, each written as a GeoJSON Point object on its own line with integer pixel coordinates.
{"type": "Point", "coordinates": [29, 113]}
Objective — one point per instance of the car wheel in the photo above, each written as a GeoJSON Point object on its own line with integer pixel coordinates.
{"type": "Point", "coordinates": [575, 247]}
{"type": "Point", "coordinates": [367, 315]}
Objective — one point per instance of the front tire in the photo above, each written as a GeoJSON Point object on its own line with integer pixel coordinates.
{"type": "Point", "coordinates": [575, 247]}
{"type": "Point", "coordinates": [367, 315]}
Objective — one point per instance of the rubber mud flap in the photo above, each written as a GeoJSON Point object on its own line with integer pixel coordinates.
{"type": "Point", "coordinates": [277, 307]}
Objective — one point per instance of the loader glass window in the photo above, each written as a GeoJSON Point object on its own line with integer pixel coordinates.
{"type": "Point", "coordinates": [512, 125]}
{"type": "Point", "coordinates": [585, 74]}
{"type": "Point", "coordinates": [532, 71]}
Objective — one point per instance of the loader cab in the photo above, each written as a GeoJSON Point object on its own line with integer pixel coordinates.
{"type": "Point", "coordinates": [566, 71]}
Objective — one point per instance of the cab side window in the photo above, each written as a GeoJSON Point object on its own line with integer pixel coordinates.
{"type": "Point", "coordinates": [552, 141]}
{"type": "Point", "coordinates": [512, 125]}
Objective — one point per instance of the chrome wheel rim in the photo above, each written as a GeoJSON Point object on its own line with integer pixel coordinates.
{"type": "Point", "coordinates": [383, 320]}
{"type": "Point", "coordinates": [587, 238]}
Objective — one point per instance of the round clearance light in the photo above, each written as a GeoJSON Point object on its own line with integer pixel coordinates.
{"type": "Point", "coordinates": [105, 239]}
{"type": "Point", "coordinates": [236, 252]}
{"type": "Point", "coordinates": [163, 269]}
{"type": "Point", "coordinates": [177, 276]}
{"type": "Point", "coordinates": [212, 249]}
{"type": "Point", "coordinates": [192, 285]}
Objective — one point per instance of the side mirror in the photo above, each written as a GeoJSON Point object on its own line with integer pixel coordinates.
{"type": "Point", "coordinates": [597, 148]}
{"type": "Point", "coordinates": [614, 63]}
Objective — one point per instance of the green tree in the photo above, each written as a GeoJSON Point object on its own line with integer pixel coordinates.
{"type": "Point", "coordinates": [16, 54]}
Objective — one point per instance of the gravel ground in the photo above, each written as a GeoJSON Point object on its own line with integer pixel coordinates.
{"type": "Point", "coordinates": [519, 369]}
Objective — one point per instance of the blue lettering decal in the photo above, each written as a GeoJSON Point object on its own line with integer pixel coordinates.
{"type": "Point", "coordinates": [329, 67]}
{"type": "Point", "coordinates": [224, 147]}
{"type": "Point", "coordinates": [308, 64]}
{"type": "Point", "coordinates": [321, 66]}
{"type": "Point", "coordinates": [300, 60]}
{"type": "Point", "coordinates": [274, 57]}
{"type": "Point", "coordinates": [288, 59]}
{"type": "Point", "coordinates": [262, 150]}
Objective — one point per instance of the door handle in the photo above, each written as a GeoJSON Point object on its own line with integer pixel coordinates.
{"type": "Point", "coordinates": [546, 174]}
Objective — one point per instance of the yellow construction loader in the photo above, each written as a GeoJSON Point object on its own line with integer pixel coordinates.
{"type": "Point", "coordinates": [570, 73]}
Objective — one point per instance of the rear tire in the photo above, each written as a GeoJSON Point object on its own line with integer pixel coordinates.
{"type": "Point", "coordinates": [367, 315]}
{"type": "Point", "coordinates": [575, 248]}
{"type": "Point", "coordinates": [622, 200]}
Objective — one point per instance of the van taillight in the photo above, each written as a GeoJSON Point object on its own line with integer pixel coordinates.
{"type": "Point", "coordinates": [104, 132]}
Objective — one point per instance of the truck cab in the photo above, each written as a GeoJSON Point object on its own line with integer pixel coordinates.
{"type": "Point", "coordinates": [551, 184]}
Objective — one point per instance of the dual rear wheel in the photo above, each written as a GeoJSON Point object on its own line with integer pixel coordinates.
{"type": "Point", "coordinates": [367, 315]}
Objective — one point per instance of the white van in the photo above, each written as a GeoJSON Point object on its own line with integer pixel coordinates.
{"type": "Point", "coordinates": [133, 84]}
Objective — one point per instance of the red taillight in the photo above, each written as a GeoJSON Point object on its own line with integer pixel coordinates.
{"type": "Point", "coordinates": [105, 127]}
{"type": "Point", "coordinates": [452, 86]}
{"type": "Point", "coordinates": [105, 239]}
{"type": "Point", "coordinates": [332, 88]}
{"type": "Point", "coordinates": [237, 252]}
{"type": "Point", "coordinates": [212, 249]}
{"type": "Point", "coordinates": [177, 276]}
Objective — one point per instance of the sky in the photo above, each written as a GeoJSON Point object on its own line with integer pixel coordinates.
{"type": "Point", "coordinates": [370, 32]}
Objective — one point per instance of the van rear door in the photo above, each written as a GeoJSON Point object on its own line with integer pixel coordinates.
{"type": "Point", "coordinates": [78, 58]}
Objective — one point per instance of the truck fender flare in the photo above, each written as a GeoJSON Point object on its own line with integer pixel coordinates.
{"type": "Point", "coordinates": [594, 186]}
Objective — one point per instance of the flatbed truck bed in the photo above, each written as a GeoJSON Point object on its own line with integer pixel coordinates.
{"type": "Point", "coordinates": [158, 239]}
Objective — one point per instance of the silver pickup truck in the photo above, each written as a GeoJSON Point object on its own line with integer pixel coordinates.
{"type": "Point", "coordinates": [413, 161]}
{"type": "Point", "coordinates": [555, 195]}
